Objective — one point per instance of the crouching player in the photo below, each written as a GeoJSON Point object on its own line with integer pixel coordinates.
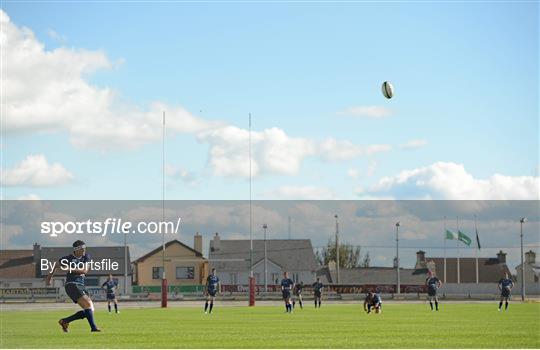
{"type": "Point", "coordinates": [286, 286]}
{"type": "Point", "coordinates": [373, 301]}
{"type": "Point", "coordinates": [110, 286]}
{"type": "Point", "coordinates": [212, 287]}
{"type": "Point", "coordinates": [505, 286]}
{"type": "Point", "coordinates": [433, 284]}
{"type": "Point", "coordinates": [75, 287]}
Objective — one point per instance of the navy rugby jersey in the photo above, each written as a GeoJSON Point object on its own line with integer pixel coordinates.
{"type": "Point", "coordinates": [432, 282]}
{"type": "Point", "coordinates": [287, 283]}
{"type": "Point", "coordinates": [506, 283]}
{"type": "Point", "coordinates": [212, 282]}
{"type": "Point", "coordinates": [110, 286]}
{"type": "Point", "coordinates": [74, 277]}
{"type": "Point", "coordinates": [317, 286]}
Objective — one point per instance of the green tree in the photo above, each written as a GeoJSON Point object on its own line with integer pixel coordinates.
{"type": "Point", "coordinates": [349, 256]}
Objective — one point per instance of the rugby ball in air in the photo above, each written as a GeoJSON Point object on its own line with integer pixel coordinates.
{"type": "Point", "coordinates": [387, 90]}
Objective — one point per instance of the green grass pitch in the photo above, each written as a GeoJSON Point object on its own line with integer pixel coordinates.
{"type": "Point", "coordinates": [332, 326]}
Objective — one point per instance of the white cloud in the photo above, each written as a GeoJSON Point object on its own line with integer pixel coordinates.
{"type": "Point", "coordinates": [413, 144]}
{"type": "Point", "coordinates": [303, 192]}
{"type": "Point", "coordinates": [46, 91]}
{"type": "Point", "coordinates": [366, 111]}
{"type": "Point", "coordinates": [443, 180]}
{"type": "Point", "coordinates": [35, 171]}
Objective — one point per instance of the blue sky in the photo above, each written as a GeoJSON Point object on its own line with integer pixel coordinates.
{"type": "Point", "coordinates": [465, 75]}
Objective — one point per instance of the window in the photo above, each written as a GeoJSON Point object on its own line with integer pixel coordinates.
{"type": "Point", "coordinates": [157, 273]}
{"type": "Point", "coordinates": [232, 277]}
{"type": "Point", "coordinates": [185, 272]}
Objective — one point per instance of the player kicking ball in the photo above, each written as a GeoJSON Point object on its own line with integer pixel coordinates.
{"type": "Point", "coordinates": [211, 289]}
{"type": "Point", "coordinates": [75, 287]}
{"type": "Point", "coordinates": [433, 284]}
{"type": "Point", "coordinates": [373, 301]}
{"type": "Point", "coordinates": [505, 286]}
{"type": "Point", "coordinates": [298, 294]}
{"type": "Point", "coordinates": [286, 286]}
{"type": "Point", "coordinates": [110, 286]}
{"type": "Point", "coordinates": [317, 292]}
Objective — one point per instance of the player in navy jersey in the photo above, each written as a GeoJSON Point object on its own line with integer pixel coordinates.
{"type": "Point", "coordinates": [110, 286]}
{"type": "Point", "coordinates": [212, 288]}
{"type": "Point", "coordinates": [298, 294]}
{"type": "Point", "coordinates": [75, 287]}
{"type": "Point", "coordinates": [286, 287]}
{"type": "Point", "coordinates": [317, 291]}
{"type": "Point", "coordinates": [433, 284]}
{"type": "Point", "coordinates": [505, 286]}
{"type": "Point", "coordinates": [373, 301]}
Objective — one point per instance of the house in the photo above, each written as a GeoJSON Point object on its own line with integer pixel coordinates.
{"type": "Point", "coordinates": [490, 270]}
{"type": "Point", "coordinates": [231, 258]}
{"type": "Point", "coordinates": [183, 265]}
{"type": "Point", "coordinates": [531, 271]}
{"type": "Point", "coordinates": [95, 278]}
{"type": "Point", "coordinates": [17, 269]}
{"type": "Point", "coordinates": [22, 268]}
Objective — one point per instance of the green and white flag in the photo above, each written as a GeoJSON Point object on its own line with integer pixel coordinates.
{"type": "Point", "coordinates": [451, 235]}
{"type": "Point", "coordinates": [464, 238]}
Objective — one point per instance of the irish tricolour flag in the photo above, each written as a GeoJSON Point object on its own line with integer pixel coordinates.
{"type": "Point", "coordinates": [460, 236]}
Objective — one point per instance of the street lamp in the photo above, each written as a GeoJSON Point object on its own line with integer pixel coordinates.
{"type": "Point", "coordinates": [337, 249]}
{"type": "Point", "coordinates": [397, 257]}
{"type": "Point", "coordinates": [521, 222]}
{"type": "Point", "coordinates": [265, 260]}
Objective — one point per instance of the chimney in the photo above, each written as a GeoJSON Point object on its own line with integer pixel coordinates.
{"type": "Point", "coordinates": [501, 257]}
{"type": "Point", "coordinates": [420, 258]}
{"type": "Point", "coordinates": [197, 242]}
{"type": "Point", "coordinates": [216, 243]}
{"type": "Point", "coordinates": [530, 257]}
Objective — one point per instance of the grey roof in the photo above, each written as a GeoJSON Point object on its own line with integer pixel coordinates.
{"type": "Point", "coordinates": [96, 253]}
{"type": "Point", "coordinates": [373, 275]}
{"type": "Point", "coordinates": [290, 254]}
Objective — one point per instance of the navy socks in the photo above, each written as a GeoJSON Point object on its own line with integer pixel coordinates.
{"type": "Point", "coordinates": [76, 316]}
{"type": "Point", "coordinates": [90, 318]}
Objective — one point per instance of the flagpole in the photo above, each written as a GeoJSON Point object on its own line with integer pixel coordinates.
{"type": "Point", "coordinates": [444, 237]}
{"type": "Point", "coordinates": [476, 250]}
{"type": "Point", "coordinates": [457, 245]}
